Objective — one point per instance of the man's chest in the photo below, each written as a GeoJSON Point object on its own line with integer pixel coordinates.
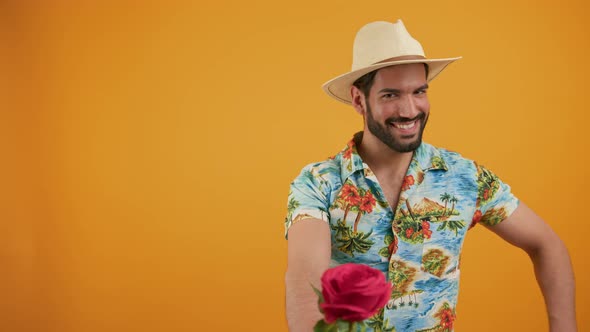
{"type": "Point", "coordinates": [431, 210]}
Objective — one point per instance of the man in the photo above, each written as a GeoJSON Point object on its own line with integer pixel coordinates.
{"type": "Point", "coordinates": [390, 201]}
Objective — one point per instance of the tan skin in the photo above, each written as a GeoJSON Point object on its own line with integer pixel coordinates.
{"type": "Point", "coordinates": [309, 240]}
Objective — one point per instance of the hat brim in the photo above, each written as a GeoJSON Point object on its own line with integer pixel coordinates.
{"type": "Point", "coordinates": [339, 87]}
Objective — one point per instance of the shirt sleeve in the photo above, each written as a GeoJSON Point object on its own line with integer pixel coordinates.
{"type": "Point", "coordinates": [495, 201]}
{"type": "Point", "coordinates": [308, 198]}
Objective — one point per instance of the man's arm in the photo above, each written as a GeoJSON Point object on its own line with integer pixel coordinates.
{"type": "Point", "coordinates": [308, 257]}
{"type": "Point", "coordinates": [551, 261]}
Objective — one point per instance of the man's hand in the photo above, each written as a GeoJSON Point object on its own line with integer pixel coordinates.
{"type": "Point", "coordinates": [551, 260]}
{"type": "Point", "coordinates": [308, 257]}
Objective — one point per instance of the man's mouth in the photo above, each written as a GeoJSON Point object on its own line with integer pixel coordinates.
{"type": "Point", "coordinates": [404, 125]}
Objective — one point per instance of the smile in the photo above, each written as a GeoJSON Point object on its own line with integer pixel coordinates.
{"type": "Point", "coordinates": [404, 125]}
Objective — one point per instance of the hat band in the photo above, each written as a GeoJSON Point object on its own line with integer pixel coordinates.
{"type": "Point", "coordinates": [394, 59]}
{"type": "Point", "coordinates": [403, 57]}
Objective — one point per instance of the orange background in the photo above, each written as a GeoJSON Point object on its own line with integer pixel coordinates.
{"type": "Point", "coordinates": [147, 151]}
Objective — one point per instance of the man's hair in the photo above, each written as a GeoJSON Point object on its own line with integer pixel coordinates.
{"type": "Point", "coordinates": [365, 82]}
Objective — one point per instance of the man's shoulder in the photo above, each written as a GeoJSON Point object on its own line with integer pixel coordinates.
{"type": "Point", "coordinates": [450, 157]}
{"type": "Point", "coordinates": [326, 169]}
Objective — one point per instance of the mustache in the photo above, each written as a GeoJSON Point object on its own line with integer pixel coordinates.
{"type": "Point", "coordinates": [392, 119]}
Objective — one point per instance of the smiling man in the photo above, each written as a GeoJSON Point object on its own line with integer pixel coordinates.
{"type": "Point", "coordinates": [403, 206]}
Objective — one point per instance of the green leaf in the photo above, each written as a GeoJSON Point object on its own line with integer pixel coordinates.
{"type": "Point", "coordinates": [342, 325]}
{"type": "Point", "coordinates": [388, 239]}
{"type": "Point", "coordinates": [322, 326]}
{"type": "Point", "coordinates": [320, 297]}
{"type": "Point", "coordinates": [317, 292]}
{"type": "Point", "coordinates": [384, 252]}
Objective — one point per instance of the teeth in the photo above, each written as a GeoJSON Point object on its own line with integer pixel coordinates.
{"type": "Point", "coordinates": [405, 125]}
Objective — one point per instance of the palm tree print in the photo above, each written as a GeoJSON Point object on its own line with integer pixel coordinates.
{"type": "Point", "coordinates": [452, 225]}
{"type": "Point", "coordinates": [366, 205]}
{"type": "Point", "coordinates": [341, 229]}
{"type": "Point", "coordinates": [292, 205]}
{"type": "Point", "coordinates": [412, 226]}
{"type": "Point", "coordinates": [487, 185]}
{"type": "Point", "coordinates": [353, 199]}
{"type": "Point", "coordinates": [377, 324]}
{"type": "Point", "coordinates": [453, 200]}
{"type": "Point", "coordinates": [445, 197]}
{"type": "Point", "coordinates": [348, 198]}
{"type": "Point", "coordinates": [355, 242]}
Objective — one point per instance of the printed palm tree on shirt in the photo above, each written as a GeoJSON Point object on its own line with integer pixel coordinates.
{"type": "Point", "coordinates": [487, 184]}
{"type": "Point", "coordinates": [341, 229]}
{"type": "Point", "coordinates": [445, 197]}
{"type": "Point", "coordinates": [293, 204]}
{"type": "Point", "coordinates": [377, 324]}
{"type": "Point", "coordinates": [453, 225]}
{"type": "Point", "coordinates": [348, 198]}
{"type": "Point", "coordinates": [453, 200]}
{"type": "Point", "coordinates": [353, 199]}
{"type": "Point", "coordinates": [355, 242]}
{"type": "Point", "coordinates": [348, 242]}
{"type": "Point", "coordinates": [366, 205]}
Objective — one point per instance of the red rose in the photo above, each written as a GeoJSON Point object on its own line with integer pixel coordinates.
{"type": "Point", "coordinates": [409, 232]}
{"type": "Point", "coordinates": [353, 292]}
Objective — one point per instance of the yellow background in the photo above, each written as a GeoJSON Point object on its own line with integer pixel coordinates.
{"type": "Point", "coordinates": [147, 151]}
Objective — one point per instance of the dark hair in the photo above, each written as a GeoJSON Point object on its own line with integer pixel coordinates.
{"type": "Point", "coordinates": [365, 82]}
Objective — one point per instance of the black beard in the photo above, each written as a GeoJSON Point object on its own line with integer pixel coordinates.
{"type": "Point", "coordinates": [384, 135]}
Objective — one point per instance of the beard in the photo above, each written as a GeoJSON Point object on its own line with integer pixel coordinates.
{"type": "Point", "coordinates": [383, 133]}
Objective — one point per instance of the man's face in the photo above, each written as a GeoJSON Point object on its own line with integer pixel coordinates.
{"type": "Point", "coordinates": [397, 108]}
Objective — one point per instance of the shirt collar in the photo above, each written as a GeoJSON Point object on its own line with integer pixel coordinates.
{"type": "Point", "coordinates": [426, 156]}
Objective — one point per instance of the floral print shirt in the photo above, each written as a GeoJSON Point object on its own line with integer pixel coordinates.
{"type": "Point", "coordinates": [418, 245]}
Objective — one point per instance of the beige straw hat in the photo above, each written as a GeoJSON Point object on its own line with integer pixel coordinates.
{"type": "Point", "coordinates": [377, 45]}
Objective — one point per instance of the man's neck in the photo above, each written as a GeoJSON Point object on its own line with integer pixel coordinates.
{"type": "Point", "coordinates": [382, 159]}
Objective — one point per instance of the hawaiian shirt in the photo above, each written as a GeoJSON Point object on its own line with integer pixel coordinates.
{"type": "Point", "coordinates": [418, 245]}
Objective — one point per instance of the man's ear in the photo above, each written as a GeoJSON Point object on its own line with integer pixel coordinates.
{"type": "Point", "coordinates": [358, 100]}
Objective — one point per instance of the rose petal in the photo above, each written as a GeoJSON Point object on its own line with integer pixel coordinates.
{"type": "Point", "coordinates": [353, 292]}
{"type": "Point", "coordinates": [345, 312]}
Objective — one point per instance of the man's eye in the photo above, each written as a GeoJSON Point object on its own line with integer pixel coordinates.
{"type": "Point", "coordinates": [420, 92]}
{"type": "Point", "coordinates": [388, 96]}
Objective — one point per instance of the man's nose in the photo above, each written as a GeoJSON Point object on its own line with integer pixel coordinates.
{"type": "Point", "coordinates": [408, 108]}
